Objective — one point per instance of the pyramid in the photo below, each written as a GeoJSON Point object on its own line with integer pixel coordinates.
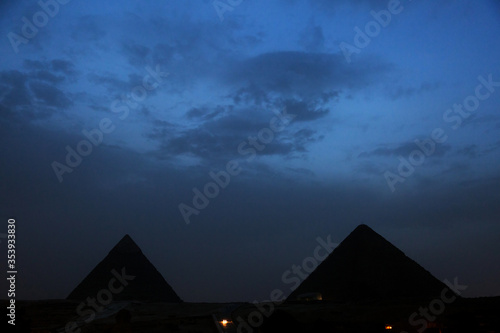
{"type": "Point", "coordinates": [365, 266]}
{"type": "Point", "coordinates": [128, 274]}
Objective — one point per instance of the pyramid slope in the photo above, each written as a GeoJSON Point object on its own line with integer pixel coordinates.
{"type": "Point", "coordinates": [366, 266]}
{"type": "Point", "coordinates": [126, 257]}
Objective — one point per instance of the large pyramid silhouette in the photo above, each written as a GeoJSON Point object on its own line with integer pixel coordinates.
{"type": "Point", "coordinates": [366, 266]}
{"type": "Point", "coordinates": [132, 274]}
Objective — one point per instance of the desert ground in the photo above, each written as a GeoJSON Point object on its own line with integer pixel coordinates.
{"type": "Point", "coordinates": [463, 315]}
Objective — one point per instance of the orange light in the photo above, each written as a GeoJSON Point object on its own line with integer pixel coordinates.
{"type": "Point", "coordinates": [388, 327]}
{"type": "Point", "coordinates": [224, 322]}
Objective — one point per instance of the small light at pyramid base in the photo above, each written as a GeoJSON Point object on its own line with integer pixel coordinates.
{"type": "Point", "coordinates": [225, 322]}
{"type": "Point", "coordinates": [388, 327]}
{"type": "Point", "coordinates": [308, 297]}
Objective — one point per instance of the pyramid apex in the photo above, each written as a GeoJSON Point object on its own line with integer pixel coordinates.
{"type": "Point", "coordinates": [126, 245]}
{"type": "Point", "coordinates": [363, 227]}
{"type": "Point", "coordinates": [364, 231]}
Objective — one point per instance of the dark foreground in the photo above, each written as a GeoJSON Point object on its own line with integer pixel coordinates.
{"type": "Point", "coordinates": [462, 315]}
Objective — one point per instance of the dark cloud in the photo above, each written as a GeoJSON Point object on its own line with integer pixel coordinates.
{"type": "Point", "coordinates": [112, 82]}
{"type": "Point", "coordinates": [214, 139]}
{"type": "Point", "coordinates": [304, 138]}
{"type": "Point", "coordinates": [307, 135]}
{"type": "Point", "coordinates": [15, 93]}
{"type": "Point", "coordinates": [27, 96]}
{"type": "Point", "coordinates": [204, 113]}
{"type": "Point", "coordinates": [491, 148]}
{"type": "Point", "coordinates": [306, 84]}
{"type": "Point", "coordinates": [223, 129]}
{"type": "Point", "coordinates": [404, 92]}
{"type": "Point", "coordinates": [17, 104]}
{"type": "Point", "coordinates": [305, 111]}
{"type": "Point", "coordinates": [44, 75]}
{"type": "Point", "coordinates": [481, 120]}
{"type": "Point", "coordinates": [474, 151]}
{"type": "Point", "coordinates": [89, 28]}
{"type": "Point", "coordinates": [251, 94]}
{"type": "Point", "coordinates": [405, 150]}
{"type": "Point", "coordinates": [161, 130]}
{"type": "Point", "coordinates": [302, 73]}
{"type": "Point", "coordinates": [49, 95]}
{"type": "Point", "coordinates": [136, 54]}
{"type": "Point", "coordinates": [62, 66]}
{"type": "Point", "coordinates": [368, 4]}
{"type": "Point", "coordinates": [312, 38]}
{"type": "Point", "coordinates": [55, 65]}
{"type": "Point", "coordinates": [197, 50]}
{"type": "Point", "coordinates": [34, 64]}
{"type": "Point", "coordinates": [163, 53]}
{"type": "Point", "coordinates": [470, 151]}
{"type": "Point", "coordinates": [332, 6]}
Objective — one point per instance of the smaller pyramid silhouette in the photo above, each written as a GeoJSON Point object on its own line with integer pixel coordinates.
{"type": "Point", "coordinates": [126, 274]}
{"type": "Point", "coordinates": [366, 266]}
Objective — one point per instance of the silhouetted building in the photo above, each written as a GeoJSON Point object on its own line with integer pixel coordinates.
{"type": "Point", "coordinates": [125, 274]}
{"type": "Point", "coordinates": [366, 266]}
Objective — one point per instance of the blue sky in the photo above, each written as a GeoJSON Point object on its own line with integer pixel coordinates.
{"type": "Point", "coordinates": [221, 79]}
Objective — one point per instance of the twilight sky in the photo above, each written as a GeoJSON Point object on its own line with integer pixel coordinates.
{"type": "Point", "coordinates": [314, 116]}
